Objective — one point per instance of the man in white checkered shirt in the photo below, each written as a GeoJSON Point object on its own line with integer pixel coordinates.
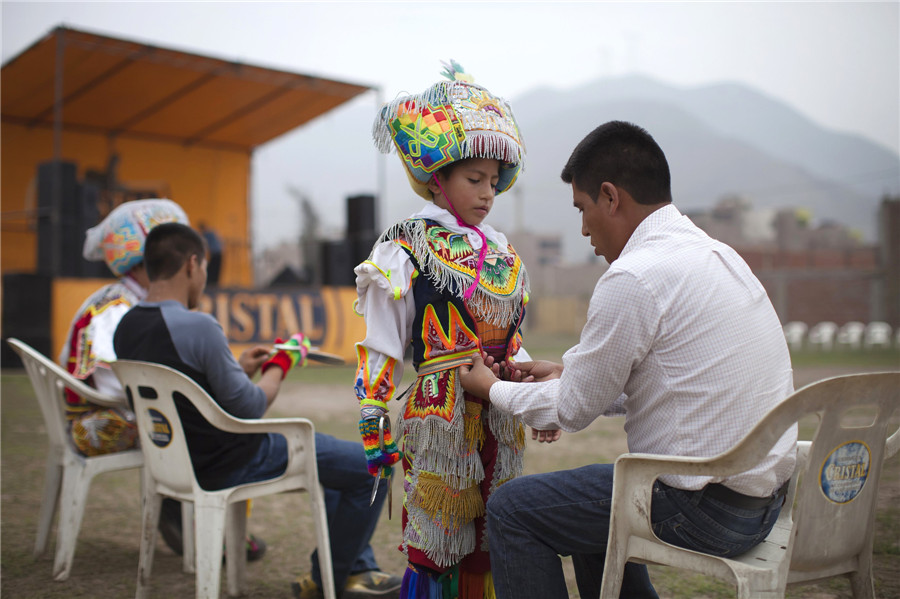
{"type": "Point", "coordinates": [681, 338]}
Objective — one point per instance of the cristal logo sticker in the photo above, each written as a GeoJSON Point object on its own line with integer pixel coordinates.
{"type": "Point", "coordinates": [844, 471]}
{"type": "Point", "coordinates": [161, 435]}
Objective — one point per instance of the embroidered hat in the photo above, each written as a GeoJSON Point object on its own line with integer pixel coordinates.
{"type": "Point", "coordinates": [451, 120]}
{"type": "Point", "coordinates": [119, 238]}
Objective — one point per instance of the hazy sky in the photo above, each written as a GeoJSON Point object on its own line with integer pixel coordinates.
{"type": "Point", "coordinates": [838, 63]}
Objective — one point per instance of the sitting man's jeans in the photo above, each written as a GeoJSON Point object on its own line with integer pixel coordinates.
{"type": "Point", "coordinates": [348, 489]}
{"type": "Point", "coordinates": [533, 520]}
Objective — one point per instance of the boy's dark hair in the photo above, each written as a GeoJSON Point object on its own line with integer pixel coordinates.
{"type": "Point", "coordinates": [168, 247]}
{"type": "Point", "coordinates": [624, 155]}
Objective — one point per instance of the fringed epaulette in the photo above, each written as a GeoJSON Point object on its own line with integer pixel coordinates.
{"type": "Point", "coordinates": [450, 266]}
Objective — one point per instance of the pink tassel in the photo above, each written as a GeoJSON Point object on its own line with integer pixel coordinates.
{"type": "Point", "coordinates": [481, 253]}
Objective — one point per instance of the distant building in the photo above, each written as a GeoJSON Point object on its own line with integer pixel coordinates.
{"type": "Point", "coordinates": [814, 273]}
{"type": "Point", "coordinates": [538, 249]}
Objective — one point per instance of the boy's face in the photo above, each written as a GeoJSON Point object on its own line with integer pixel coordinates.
{"type": "Point", "coordinates": [471, 185]}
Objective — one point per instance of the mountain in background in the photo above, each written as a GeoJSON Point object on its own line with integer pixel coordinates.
{"type": "Point", "coordinates": [721, 140]}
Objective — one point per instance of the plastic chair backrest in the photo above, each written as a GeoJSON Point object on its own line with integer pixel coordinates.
{"type": "Point", "coordinates": [49, 381]}
{"type": "Point", "coordinates": [822, 334]}
{"type": "Point", "coordinates": [851, 334]}
{"type": "Point", "coordinates": [836, 498]}
{"type": "Point", "coordinates": [878, 334]}
{"type": "Point", "coordinates": [162, 436]}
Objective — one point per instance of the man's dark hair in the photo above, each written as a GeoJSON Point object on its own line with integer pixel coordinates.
{"type": "Point", "coordinates": [624, 155]}
{"type": "Point", "coordinates": [168, 247]}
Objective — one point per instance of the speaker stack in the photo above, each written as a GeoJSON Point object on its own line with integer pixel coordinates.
{"type": "Point", "coordinates": [339, 258]}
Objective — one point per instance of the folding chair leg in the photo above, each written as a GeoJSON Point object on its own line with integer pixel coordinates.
{"type": "Point", "coordinates": [75, 487]}
{"type": "Point", "coordinates": [211, 524]}
{"type": "Point", "coordinates": [49, 502]}
{"type": "Point", "coordinates": [152, 506]}
{"type": "Point", "coordinates": [236, 553]}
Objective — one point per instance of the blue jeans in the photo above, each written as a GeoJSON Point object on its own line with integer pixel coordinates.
{"type": "Point", "coordinates": [348, 489]}
{"type": "Point", "coordinates": [533, 520]}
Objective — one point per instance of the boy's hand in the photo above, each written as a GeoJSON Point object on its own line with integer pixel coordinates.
{"type": "Point", "coordinates": [376, 457]}
{"type": "Point", "coordinates": [478, 378]}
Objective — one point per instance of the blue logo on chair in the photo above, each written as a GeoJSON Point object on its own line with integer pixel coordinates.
{"type": "Point", "coordinates": [844, 471]}
{"type": "Point", "coordinates": [161, 435]}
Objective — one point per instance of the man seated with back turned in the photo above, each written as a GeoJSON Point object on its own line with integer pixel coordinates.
{"type": "Point", "coordinates": [164, 329]}
{"type": "Point", "coordinates": [683, 339]}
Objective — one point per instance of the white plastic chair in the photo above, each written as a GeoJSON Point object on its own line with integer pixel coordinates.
{"type": "Point", "coordinates": [878, 334]}
{"type": "Point", "coordinates": [69, 474]}
{"type": "Point", "coordinates": [851, 335]}
{"type": "Point", "coordinates": [795, 334]}
{"type": "Point", "coordinates": [822, 335]}
{"type": "Point", "coordinates": [829, 530]}
{"type": "Point", "coordinates": [169, 473]}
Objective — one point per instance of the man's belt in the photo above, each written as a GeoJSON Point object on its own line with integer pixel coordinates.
{"type": "Point", "coordinates": [739, 500]}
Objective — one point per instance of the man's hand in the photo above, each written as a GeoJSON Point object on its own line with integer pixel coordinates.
{"type": "Point", "coordinates": [478, 378]}
{"type": "Point", "coordinates": [251, 359]}
{"type": "Point", "coordinates": [291, 352]}
{"type": "Point", "coordinates": [538, 370]}
{"type": "Point", "coordinates": [545, 436]}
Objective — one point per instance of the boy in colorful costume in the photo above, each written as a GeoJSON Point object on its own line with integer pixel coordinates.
{"type": "Point", "coordinates": [119, 241]}
{"type": "Point", "coordinates": [453, 288]}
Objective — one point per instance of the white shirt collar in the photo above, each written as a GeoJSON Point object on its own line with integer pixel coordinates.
{"type": "Point", "coordinates": [448, 220]}
{"type": "Point", "coordinates": [653, 220]}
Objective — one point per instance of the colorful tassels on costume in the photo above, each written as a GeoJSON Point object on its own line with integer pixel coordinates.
{"type": "Point", "coordinates": [452, 584]}
{"type": "Point", "coordinates": [375, 457]}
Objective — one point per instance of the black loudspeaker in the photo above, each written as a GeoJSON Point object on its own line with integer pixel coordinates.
{"type": "Point", "coordinates": [336, 264]}
{"type": "Point", "coordinates": [26, 314]}
{"type": "Point", "coordinates": [88, 216]}
{"type": "Point", "coordinates": [60, 247]}
{"type": "Point", "coordinates": [360, 214]}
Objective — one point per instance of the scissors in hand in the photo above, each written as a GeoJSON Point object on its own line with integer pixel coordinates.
{"type": "Point", "coordinates": [381, 469]}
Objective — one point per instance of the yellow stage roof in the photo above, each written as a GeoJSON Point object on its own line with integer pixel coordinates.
{"type": "Point", "coordinates": [123, 88]}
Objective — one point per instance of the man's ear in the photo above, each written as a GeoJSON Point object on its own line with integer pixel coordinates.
{"type": "Point", "coordinates": [609, 194]}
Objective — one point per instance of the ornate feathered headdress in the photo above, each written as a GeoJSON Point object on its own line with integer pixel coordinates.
{"type": "Point", "coordinates": [450, 121]}
{"type": "Point", "coordinates": [119, 238]}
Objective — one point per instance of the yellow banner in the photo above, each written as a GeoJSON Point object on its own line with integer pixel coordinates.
{"type": "Point", "coordinates": [248, 316]}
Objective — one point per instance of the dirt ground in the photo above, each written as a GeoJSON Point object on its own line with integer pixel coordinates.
{"type": "Point", "coordinates": [107, 553]}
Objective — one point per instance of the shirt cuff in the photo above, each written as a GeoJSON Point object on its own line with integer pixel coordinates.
{"type": "Point", "coordinates": [502, 393]}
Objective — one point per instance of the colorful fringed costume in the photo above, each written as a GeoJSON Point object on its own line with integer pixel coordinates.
{"type": "Point", "coordinates": [88, 351]}
{"type": "Point", "coordinates": [450, 289]}
{"type": "Point", "coordinates": [456, 450]}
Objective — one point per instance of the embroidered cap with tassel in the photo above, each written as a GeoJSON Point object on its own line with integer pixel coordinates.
{"type": "Point", "coordinates": [450, 121]}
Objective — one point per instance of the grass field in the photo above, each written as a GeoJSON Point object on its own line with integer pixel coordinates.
{"type": "Point", "coordinates": [107, 553]}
